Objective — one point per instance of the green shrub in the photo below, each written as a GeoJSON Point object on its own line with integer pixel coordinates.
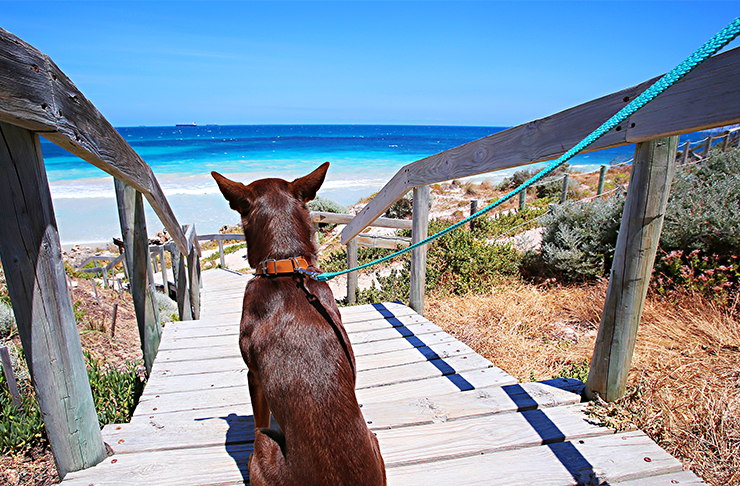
{"type": "Point", "coordinates": [578, 371]}
{"type": "Point", "coordinates": [168, 311]}
{"type": "Point", "coordinates": [703, 210]}
{"type": "Point", "coordinates": [462, 262]}
{"type": "Point", "coordinates": [401, 209]}
{"type": "Point", "coordinates": [115, 394]}
{"type": "Point", "coordinates": [580, 238]}
{"type": "Point", "coordinates": [327, 206]}
{"type": "Point", "coordinates": [7, 319]}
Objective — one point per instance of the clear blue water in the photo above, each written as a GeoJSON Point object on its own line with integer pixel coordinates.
{"type": "Point", "coordinates": [363, 158]}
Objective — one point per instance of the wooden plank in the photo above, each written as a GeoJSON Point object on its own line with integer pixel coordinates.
{"type": "Point", "coordinates": [409, 354]}
{"type": "Point", "coordinates": [383, 323]}
{"type": "Point", "coordinates": [334, 218]}
{"type": "Point", "coordinates": [419, 370]}
{"type": "Point", "coordinates": [32, 261]}
{"type": "Point", "coordinates": [481, 402]}
{"type": "Point", "coordinates": [226, 426]}
{"type": "Point", "coordinates": [435, 386]}
{"type": "Point", "coordinates": [198, 365]}
{"type": "Point", "coordinates": [481, 435]}
{"type": "Point", "coordinates": [204, 466]}
{"type": "Point", "coordinates": [706, 98]}
{"type": "Point", "coordinates": [684, 478]}
{"type": "Point", "coordinates": [419, 255]}
{"type": "Point", "coordinates": [205, 380]}
{"type": "Point", "coordinates": [374, 348]}
{"type": "Point", "coordinates": [382, 241]}
{"type": "Point", "coordinates": [596, 460]}
{"type": "Point", "coordinates": [637, 243]}
{"type": "Point", "coordinates": [188, 401]}
{"type": "Point", "coordinates": [422, 328]}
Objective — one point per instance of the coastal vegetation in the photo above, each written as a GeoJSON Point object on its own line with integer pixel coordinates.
{"type": "Point", "coordinates": [533, 310]}
{"type": "Point", "coordinates": [535, 313]}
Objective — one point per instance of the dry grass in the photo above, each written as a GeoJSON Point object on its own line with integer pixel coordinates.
{"type": "Point", "coordinates": [684, 386]}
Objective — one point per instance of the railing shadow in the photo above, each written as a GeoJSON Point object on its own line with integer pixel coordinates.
{"type": "Point", "coordinates": [566, 452]}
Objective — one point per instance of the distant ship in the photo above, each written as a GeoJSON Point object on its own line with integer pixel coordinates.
{"type": "Point", "coordinates": [193, 124]}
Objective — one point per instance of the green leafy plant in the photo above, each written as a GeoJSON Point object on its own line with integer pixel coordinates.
{"type": "Point", "coordinates": [115, 392]}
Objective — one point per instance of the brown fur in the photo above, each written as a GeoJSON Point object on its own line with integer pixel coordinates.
{"type": "Point", "coordinates": [298, 370]}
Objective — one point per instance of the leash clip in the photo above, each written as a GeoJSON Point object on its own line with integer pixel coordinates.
{"type": "Point", "coordinates": [309, 273]}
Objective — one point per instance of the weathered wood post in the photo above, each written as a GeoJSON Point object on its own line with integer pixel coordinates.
{"type": "Point", "coordinates": [639, 233]}
{"type": "Point", "coordinates": [602, 180]}
{"type": "Point", "coordinates": [32, 259]}
{"type": "Point", "coordinates": [7, 365]}
{"type": "Point", "coordinates": [523, 200]}
{"type": "Point", "coordinates": [686, 151]}
{"type": "Point", "coordinates": [726, 141]}
{"type": "Point", "coordinates": [163, 263]}
{"type": "Point", "coordinates": [180, 275]}
{"type": "Point", "coordinates": [564, 190]}
{"type": "Point", "coordinates": [419, 231]}
{"type": "Point", "coordinates": [352, 279]}
{"type": "Point", "coordinates": [708, 146]}
{"type": "Point", "coordinates": [193, 268]}
{"type": "Point", "coordinates": [221, 253]}
{"type": "Point", "coordinates": [136, 244]}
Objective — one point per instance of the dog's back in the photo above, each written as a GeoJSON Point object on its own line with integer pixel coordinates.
{"type": "Point", "coordinates": [301, 366]}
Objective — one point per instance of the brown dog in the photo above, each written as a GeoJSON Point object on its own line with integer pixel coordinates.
{"type": "Point", "coordinates": [301, 366]}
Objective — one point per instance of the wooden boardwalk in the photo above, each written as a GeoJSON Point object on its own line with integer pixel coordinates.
{"type": "Point", "coordinates": [442, 413]}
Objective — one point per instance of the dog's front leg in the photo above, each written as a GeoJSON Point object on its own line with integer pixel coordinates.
{"type": "Point", "coordinates": [260, 407]}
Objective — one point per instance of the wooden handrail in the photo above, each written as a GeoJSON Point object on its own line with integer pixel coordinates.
{"type": "Point", "coordinates": [38, 96]}
{"type": "Point", "coordinates": [706, 98]}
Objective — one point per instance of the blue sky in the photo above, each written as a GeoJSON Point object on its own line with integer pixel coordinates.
{"type": "Point", "coordinates": [437, 63]}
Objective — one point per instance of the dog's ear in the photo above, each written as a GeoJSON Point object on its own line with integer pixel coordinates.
{"type": "Point", "coordinates": [238, 195]}
{"type": "Point", "coordinates": [306, 187]}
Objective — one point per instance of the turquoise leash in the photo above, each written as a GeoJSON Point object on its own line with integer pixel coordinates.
{"type": "Point", "coordinates": [711, 47]}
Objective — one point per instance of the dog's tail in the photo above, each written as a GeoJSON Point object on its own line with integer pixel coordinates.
{"type": "Point", "coordinates": [267, 464]}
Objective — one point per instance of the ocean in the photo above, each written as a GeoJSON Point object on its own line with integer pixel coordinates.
{"type": "Point", "coordinates": [363, 158]}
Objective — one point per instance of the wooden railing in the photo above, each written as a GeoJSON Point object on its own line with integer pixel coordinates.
{"type": "Point", "coordinates": [708, 97]}
{"type": "Point", "coordinates": [37, 98]}
{"type": "Point", "coordinates": [363, 239]}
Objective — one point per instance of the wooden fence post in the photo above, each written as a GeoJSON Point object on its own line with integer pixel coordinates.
{"type": "Point", "coordinates": [136, 244]}
{"type": "Point", "coordinates": [193, 269]}
{"type": "Point", "coordinates": [352, 278]}
{"type": "Point", "coordinates": [686, 151]}
{"type": "Point", "coordinates": [639, 233]}
{"type": "Point", "coordinates": [523, 200]}
{"type": "Point", "coordinates": [564, 190]}
{"type": "Point", "coordinates": [7, 365]}
{"type": "Point", "coordinates": [473, 210]}
{"type": "Point", "coordinates": [181, 284]}
{"type": "Point", "coordinates": [221, 253]}
{"type": "Point", "coordinates": [602, 180]}
{"type": "Point", "coordinates": [419, 231]}
{"type": "Point", "coordinates": [32, 260]}
{"type": "Point", "coordinates": [163, 263]}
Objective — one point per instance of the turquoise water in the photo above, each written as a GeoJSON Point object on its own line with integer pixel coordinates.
{"type": "Point", "coordinates": [363, 158]}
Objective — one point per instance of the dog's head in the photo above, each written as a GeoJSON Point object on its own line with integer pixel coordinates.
{"type": "Point", "coordinates": [274, 214]}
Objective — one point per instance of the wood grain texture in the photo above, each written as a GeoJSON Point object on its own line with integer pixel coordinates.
{"type": "Point", "coordinates": [135, 240]}
{"type": "Point", "coordinates": [637, 243]}
{"type": "Point", "coordinates": [32, 261]}
{"type": "Point", "coordinates": [708, 97]}
{"type": "Point", "coordinates": [420, 231]}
